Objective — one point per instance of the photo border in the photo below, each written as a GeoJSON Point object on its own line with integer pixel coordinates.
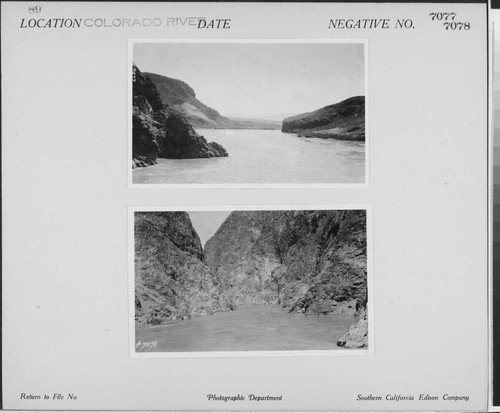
{"type": "Point", "coordinates": [360, 185]}
{"type": "Point", "coordinates": [492, 33]}
{"type": "Point", "coordinates": [244, 354]}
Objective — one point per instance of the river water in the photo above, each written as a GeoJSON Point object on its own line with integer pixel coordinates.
{"type": "Point", "coordinates": [249, 328]}
{"type": "Point", "coordinates": [263, 157]}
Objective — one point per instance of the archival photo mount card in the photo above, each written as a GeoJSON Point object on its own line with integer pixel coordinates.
{"type": "Point", "coordinates": [232, 206]}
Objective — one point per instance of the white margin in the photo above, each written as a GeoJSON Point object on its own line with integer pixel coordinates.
{"type": "Point", "coordinates": [363, 185]}
{"type": "Point", "coordinates": [244, 354]}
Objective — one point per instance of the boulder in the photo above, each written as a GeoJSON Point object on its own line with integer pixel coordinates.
{"type": "Point", "coordinates": [357, 335]}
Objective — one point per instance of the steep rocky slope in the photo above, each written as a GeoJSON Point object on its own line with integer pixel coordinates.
{"type": "Point", "coordinates": [172, 281]}
{"type": "Point", "coordinates": [182, 97]}
{"type": "Point", "coordinates": [357, 335]}
{"type": "Point", "coordinates": [159, 131]}
{"type": "Point", "coordinates": [306, 261]}
{"type": "Point", "coordinates": [344, 120]}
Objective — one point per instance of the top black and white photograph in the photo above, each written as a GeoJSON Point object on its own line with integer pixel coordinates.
{"type": "Point", "coordinates": [248, 113]}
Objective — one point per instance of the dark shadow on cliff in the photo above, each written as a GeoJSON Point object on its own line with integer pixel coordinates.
{"type": "Point", "coordinates": [159, 131]}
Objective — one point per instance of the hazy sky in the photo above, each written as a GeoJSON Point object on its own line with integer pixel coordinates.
{"type": "Point", "coordinates": [260, 79]}
{"type": "Point", "coordinates": [206, 223]}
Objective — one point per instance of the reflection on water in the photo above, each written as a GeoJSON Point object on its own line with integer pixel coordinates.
{"type": "Point", "coordinates": [250, 328]}
{"type": "Point", "coordinates": [263, 156]}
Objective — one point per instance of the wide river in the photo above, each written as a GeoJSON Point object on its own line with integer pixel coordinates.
{"type": "Point", "coordinates": [249, 328]}
{"type": "Point", "coordinates": [263, 157]}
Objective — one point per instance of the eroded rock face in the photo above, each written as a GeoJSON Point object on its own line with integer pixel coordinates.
{"type": "Point", "coordinates": [159, 131]}
{"type": "Point", "coordinates": [146, 132]}
{"type": "Point", "coordinates": [307, 261]}
{"type": "Point", "coordinates": [357, 335]}
{"type": "Point", "coordinates": [344, 120]}
{"type": "Point", "coordinates": [180, 140]}
{"type": "Point", "coordinates": [242, 260]}
{"type": "Point", "coordinates": [172, 280]}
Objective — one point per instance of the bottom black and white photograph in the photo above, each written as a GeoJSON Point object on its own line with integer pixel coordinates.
{"type": "Point", "coordinates": [273, 280]}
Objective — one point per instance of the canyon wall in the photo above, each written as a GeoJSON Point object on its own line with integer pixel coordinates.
{"type": "Point", "coordinates": [172, 280]}
{"type": "Point", "coordinates": [306, 261]}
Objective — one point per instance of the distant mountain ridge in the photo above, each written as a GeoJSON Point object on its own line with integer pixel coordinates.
{"type": "Point", "coordinates": [344, 120]}
{"type": "Point", "coordinates": [182, 97]}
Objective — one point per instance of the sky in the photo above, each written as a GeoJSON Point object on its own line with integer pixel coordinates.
{"type": "Point", "coordinates": [206, 223]}
{"type": "Point", "coordinates": [260, 79]}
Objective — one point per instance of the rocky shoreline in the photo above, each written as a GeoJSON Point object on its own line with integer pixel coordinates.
{"type": "Point", "coordinates": [357, 335]}
{"type": "Point", "coordinates": [344, 121]}
{"type": "Point", "coordinates": [159, 131]}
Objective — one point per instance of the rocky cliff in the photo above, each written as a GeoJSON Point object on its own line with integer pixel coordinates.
{"type": "Point", "coordinates": [344, 120]}
{"type": "Point", "coordinates": [357, 335]}
{"type": "Point", "coordinates": [307, 261]}
{"type": "Point", "coordinates": [172, 280]}
{"type": "Point", "coordinates": [160, 131]}
{"type": "Point", "coordinates": [180, 96]}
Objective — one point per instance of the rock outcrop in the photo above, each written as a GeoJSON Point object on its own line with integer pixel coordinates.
{"type": "Point", "coordinates": [357, 335]}
{"type": "Point", "coordinates": [242, 258]}
{"type": "Point", "coordinates": [180, 96]}
{"type": "Point", "coordinates": [160, 131]}
{"type": "Point", "coordinates": [172, 280]}
{"type": "Point", "coordinates": [344, 120]}
{"type": "Point", "coordinates": [312, 262]}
